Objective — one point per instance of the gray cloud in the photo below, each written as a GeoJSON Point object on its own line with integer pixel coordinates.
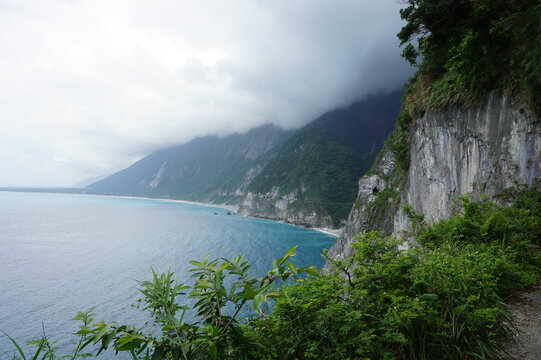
{"type": "Point", "coordinates": [89, 87]}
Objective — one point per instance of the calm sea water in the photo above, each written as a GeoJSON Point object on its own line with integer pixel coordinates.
{"type": "Point", "coordinates": [60, 254]}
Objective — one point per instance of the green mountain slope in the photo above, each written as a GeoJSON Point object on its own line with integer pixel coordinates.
{"type": "Point", "coordinates": [205, 169]}
{"type": "Point", "coordinates": [322, 173]}
{"type": "Point", "coordinates": [363, 125]}
{"type": "Point", "coordinates": [313, 179]}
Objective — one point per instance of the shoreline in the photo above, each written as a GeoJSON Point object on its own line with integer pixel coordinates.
{"type": "Point", "coordinates": [235, 209]}
{"type": "Point", "coordinates": [332, 232]}
{"type": "Point", "coordinates": [187, 202]}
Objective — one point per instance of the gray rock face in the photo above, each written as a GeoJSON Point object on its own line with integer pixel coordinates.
{"type": "Point", "coordinates": [477, 151]}
{"type": "Point", "coordinates": [483, 150]}
{"type": "Point", "coordinates": [364, 216]}
{"type": "Point", "coordinates": [274, 206]}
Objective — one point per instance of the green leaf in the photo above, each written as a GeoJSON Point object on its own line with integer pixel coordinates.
{"type": "Point", "coordinates": [258, 300]}
{"type": "Point", "coordinates": [213, 351]}
{"type": "Point", "coordinates": [106, 340]}
{"type": "Point", "coordinates": [158, 353]}
{"type": "Point", "coordinates": [39, 350]}
{"type": "Point", "coordinates": [16, 345]}
{"type": "Point", "coordinates": [291, 267]}
{"type": "Point", "coordinates": [289, 253]}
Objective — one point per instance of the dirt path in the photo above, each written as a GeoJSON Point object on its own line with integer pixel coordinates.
{"type": "Point", "coordinates": [526, 308]}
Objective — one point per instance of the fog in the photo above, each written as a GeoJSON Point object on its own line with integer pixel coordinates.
{"type": "Point", "coordinates": [88, 87]}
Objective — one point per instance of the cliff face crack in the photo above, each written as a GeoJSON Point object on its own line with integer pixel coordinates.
{"type": "Point", "coordinates": [479, 151]}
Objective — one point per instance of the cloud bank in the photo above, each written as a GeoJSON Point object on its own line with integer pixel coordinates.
{"type": "Point", "coordinates": [87, 87]}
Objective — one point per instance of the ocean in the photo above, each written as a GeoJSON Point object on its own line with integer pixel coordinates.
{"type": "Point", "coordinates": [64, 253]}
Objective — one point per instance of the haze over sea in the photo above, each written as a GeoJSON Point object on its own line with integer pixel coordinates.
{"type": "Point", "coordinates": [60, 254]}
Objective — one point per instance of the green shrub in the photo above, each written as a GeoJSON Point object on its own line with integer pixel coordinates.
{"type": "Point", "coordinates": [442, 300]}
{"type": "Point", "coordinates": [467, 48]}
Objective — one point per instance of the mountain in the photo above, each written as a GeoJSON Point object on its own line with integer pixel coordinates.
{"type": "Point", "coordinates": [470, 121]}
{"type": "Point", "coordinates": [481, 150]}
{"type": "Point", "coordinates": [88, 181]}
{"type": "Point", "coordinates": [314, 177]}
{"type": "Point", "coordinates": [365, 124]}
{"type": "Point", "coordinates": [308, 177]}
{"type": "Point", "coordinates": [311, 181]}
{"type": "Point", "coordinates": [205, 169]}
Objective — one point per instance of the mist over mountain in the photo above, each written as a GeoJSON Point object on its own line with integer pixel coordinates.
{"type": "Point", "coordinates": [363, 125]}
{"type": "Point", "coordinates": [308, 176]}
{"type": "Point", "coordinates": [313, 179]}
{"type": "Point", "coordinates": [204, 169]}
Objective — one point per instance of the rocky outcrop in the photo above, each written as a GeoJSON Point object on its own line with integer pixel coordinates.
{"type": "Point", "coordinates": [274, 206]}
{"type": "Point", "coordinates": [483, 150]}
{"type": "Point", "coordinates": [375, 205]}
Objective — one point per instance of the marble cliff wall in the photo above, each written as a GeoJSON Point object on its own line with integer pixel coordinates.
{"type": "Point", "coordinates": [481, 150]}
{"type": "Point", "coordinates": [274, 206]}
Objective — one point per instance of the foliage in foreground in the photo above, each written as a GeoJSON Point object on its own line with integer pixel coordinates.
{"type": "Point", "coordinates": [218, 332]}
{"type": "Point", "coordinates": [442, 300]}
{"type": "Point", "coordinates": [468, 48]}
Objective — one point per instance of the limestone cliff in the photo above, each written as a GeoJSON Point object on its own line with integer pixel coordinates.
{"type": "Point", "coordinates": [274, 206]}
{"type": "Point", "coordinates": [480, 150]}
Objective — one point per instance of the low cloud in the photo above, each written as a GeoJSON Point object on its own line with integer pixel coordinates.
{"type": "Point", "coordinates": [89, 87]}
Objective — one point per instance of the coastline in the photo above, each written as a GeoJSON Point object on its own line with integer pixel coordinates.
{"type": "Point", "coordinates": [332, 232]}
{"type": "Point", "coordinates": [234, 209]}
{"type": "Point", "coordinates": [188, 202]}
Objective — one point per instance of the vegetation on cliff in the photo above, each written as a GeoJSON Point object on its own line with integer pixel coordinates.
{"type": "Point", "coordinates": [442, 300]}
{"type": "Point", "coordinates": [205, 169]}
{"type": "Point", "coordinates": [321, 172]}
{"type": "Point", "coordinates": [467, 48]}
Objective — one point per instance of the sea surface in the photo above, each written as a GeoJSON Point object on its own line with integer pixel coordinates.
{"type": "Point", "coordinates": [60, 254]}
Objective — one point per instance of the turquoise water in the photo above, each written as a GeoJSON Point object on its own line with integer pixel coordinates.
{"type": "Point", "coordinates": [66, 253]}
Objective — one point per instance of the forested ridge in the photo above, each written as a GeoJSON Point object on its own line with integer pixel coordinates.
{"type": "Point", "coordinates": [324, 172]}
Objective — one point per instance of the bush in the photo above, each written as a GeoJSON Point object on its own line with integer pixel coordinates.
{"type": "Point", "coordinates": [471, 47]}
{"type": "Point", "coordinates": [442, 300]}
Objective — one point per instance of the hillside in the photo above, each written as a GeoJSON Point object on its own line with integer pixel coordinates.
{"type": "Point", "coordinates": [363, 125]}
{"type": "Point", "coordinates": [204, 169]}
{"type": "Point", "coordinates": [341, 146]}
{"type": "Point", "coordinates": [445, 229]}
{"type": "Point", "coordinates": [312, 180]}
{"type": "Point", "coordinates": [468, 133]}
{"type": "Point", "coordinates": [469, 120]}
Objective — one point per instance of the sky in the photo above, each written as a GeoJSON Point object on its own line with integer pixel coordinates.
{"type": "Point", "coordinates": [87, 87]}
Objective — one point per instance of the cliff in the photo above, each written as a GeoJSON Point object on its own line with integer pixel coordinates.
{"type": "Point", "coordinates": [311, 181]}
{"type": "Point", "coordinates": [479, 150]}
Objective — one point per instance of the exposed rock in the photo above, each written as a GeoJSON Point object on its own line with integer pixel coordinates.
{"type": "Point", "coordinates": [364, 217]}
{"type": "Point", "coordinates": [156, 180]}
{"type": "Point", "coordinates": [479, 151]}
{"type": "Point", "coordinates": [274, 206]}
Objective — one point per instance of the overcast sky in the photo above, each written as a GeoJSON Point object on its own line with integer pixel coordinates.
{"type": "Point", "coordinates": [89, 86]}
